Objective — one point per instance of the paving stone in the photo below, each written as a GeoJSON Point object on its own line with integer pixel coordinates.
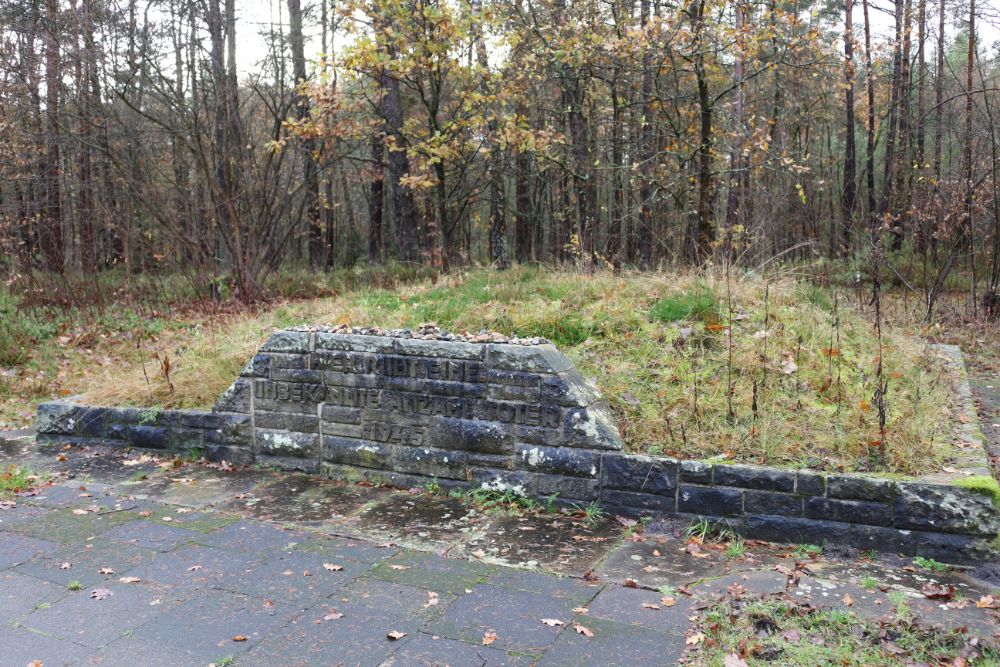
{"type": "Point", "coordinates": [202, 521]}
{"type": "Point", "coordinates": [15, 549]}
{"type": "Point", "coordinates": [84, 620]}
{"type": "Point", "coordinates": [64, 496]}
{"type": "Point", "coordinates": [20, 513]}
{"type": "Point", "coordinates": [206, 624]}
{"type": "Point", "coordinates": [252, 537]}
{"type": "Point", "coordinates": [434, 573]}
{"type": "Point", "coordinates": [297, 579]}
{"type": "Point", "coordinates": [21, 646]}
{"type": "Point", "coordinates": [149, 534]}
{"type": "Point", "coordinates": [85, 561]}
{"type": "Point", "coordinates": [434, 651]}
{"type": "Point", "coordinates": [659, 560]}
{"type": "Point", "coordinates": [577, 591]}
{"type": "Point", "coordinates": [514, 616]}
{"type": "Point", "coordinates": [305, 499]}
{"type": "Point", "coordinates": [554, 542]}
{"type": "Point", "coordinates": [766, 582]}
{"type": "Point", "coordinates": [625, 605]}
{"type": "Point", "coordinates": [613, 644]}
{"type": "Point", "coordinates": [371, 609]}
{"type": "Point", "coordinates": [355, 556]}
{"type": "Point", "coordinates": [197, 566]}
{"type": "Point", "coordinates": [20, 594]}
{"type": "Point", "coordinates": [128, 650]}
{"type": "Point", "coordinates": [66, 527]}
{"type": "Point", "coordinates": [424, 521]}
{"type": "Point", "coordinates": [198, 487]}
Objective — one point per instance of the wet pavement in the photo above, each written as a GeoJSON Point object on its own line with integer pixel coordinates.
{"type": "Point", "coordinates": [129, 560]}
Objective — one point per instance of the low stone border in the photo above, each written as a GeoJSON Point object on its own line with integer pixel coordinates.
{"type": "Point", "coordinates": [935, 516]}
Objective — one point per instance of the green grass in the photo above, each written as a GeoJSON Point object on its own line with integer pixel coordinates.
{"type": "Point", "coordinates": [656, 345]}
{"type": "Point", "coordinates": [14, 479]}
{"type": "Point", "coordinates": [773, 631]}
{"type": "Point", "coordinates": [930, 564]}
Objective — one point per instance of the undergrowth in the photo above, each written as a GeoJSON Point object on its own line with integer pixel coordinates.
{"type": "Point", "coordinates": [657, 346]}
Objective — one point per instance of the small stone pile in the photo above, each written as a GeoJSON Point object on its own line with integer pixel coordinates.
{"type": "Point", "coordinates": [426, 331]}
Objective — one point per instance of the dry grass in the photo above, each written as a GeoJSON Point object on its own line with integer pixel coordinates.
{"type": "Point", "coordinates": [666, 381]}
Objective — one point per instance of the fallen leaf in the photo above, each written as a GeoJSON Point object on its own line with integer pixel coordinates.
{"type": "Point", "coordinates": [936, 591]}
{"type": "Point", "coordinates": [848, 600]}
{"type": "Point", "coordinates": [395, 635]}
{"type": "Point", "coordinates": [987, 602]}
{"type": "Point", "coordinates": [129, 580]}
{"type": "Point", "coordinates": [695, 638]}
{"type": "Point", "coordinates": [332, 568]}
{"type": "Point", "coordinates": [552, 622]}
{"type": "Point", "coordinates": [631, 583]}
{"type": "Point", "coordinates": [333, 616]}
{"type": "Point", "coordinates": [668, 601]}
{"type": "Point", "coordinates": [580, 610]}
{"type": "Point", "coordinates": [65, 566]}
{"type": "Point", "coordinates": [106, 570]}
{"type": "Point", "coordinates": [649, 605]}
{"type": "Point", "coordinates": [583, 630]}
{"type": "Point", "coordinates": [239, 638]}
{"type": "Point", "coordinates": [400, 567]}
{"type": "Point", "coordinates": [489, 638]}
{"type": "Point", "coordinates": [193, 568]}
{"type": "Point", "coordinates": [79, 511]}
{"type": "Point", "coordinates": [101, 593]}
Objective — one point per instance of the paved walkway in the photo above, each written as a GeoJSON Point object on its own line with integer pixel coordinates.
{"type": "Point", "coordinates": [125, 562]}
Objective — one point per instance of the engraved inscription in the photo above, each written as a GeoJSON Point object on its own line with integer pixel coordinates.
{"type": "Point", "coordinates": [390, 365]}
{"type": "Point", "coordinates": [402, 434]}
{"type": "Point", "coordinates": [412, 403]}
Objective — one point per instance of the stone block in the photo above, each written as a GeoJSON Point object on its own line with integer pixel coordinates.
{"type": "Point", "coordinates": [439, 349]}
{"type": "Point", "coordinates": [568, 388]}
{"type": "Point", "coordinates": [810, 484]}
{"type": "Point", "coordinates": [953, 548]}
{"type": "Point", "coordinates": [292, 463]}
{"type": "Point", "coordinates": [791, 529]}
{"type": "Point", "coordinates": [856, 487]}
{"type": "Point", "coordinates": [628, 502]}
{"type": "Point", "coordinates": [522, 483]}
{"type": "Point", "coordinates": [335, 413]}
{"type": "Point", "coordinates": [772, 502]}
{"type": "Point", "coordinates": [238, 456]}
{"type": "Point", "coordinates": [696, 472]}
{"type": "Point", "coordinates": [592, 428]}
{"type": "Point", "coordinates": [469, 435]}
{"type": "Point", "coordinates": [234, 399]}
{"type": "Point", "coordinates": [286, 444]}
{"type": "Point", "coordinates": [346, 451]}
{"type": "Point", "coordinates": [709, 500]}
{"type": "Point", "coordinates": [945, 509]}
{"type": "Point", "coordinates": [92, 423]}
{"type": "Point", "coordinates": [527, 359]}
{"type": "Point", "coordinates": [557, 460]}
{"type": "Point", "coordinates": [640, 474]}
{"type": "Point", "coordinates": [354, 343]}
{"type": "Point", "coordinates": [575, 488]}
{"type": "Point", "coordinates": [143, 436]}
{"type": "Point", "coordinates": [754, 477]}
{"type": "Point", "coordinates": [429, 462]}
{"type": "Point", "coordinates": [303, 375]}
{"type": "Point", "coordinates": [885, 540]}
{"type": "Point", "coordinates": [286, 421]}
{"type": "Point", "coordinates": [58, 418]}
{"type": "Point", "coordinates": [849, 511]}
{"type": "Point", "coordinates": [288, 341]}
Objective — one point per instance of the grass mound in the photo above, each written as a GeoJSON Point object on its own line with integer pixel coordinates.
{"type": "Point", "coordinates": [799, 360]}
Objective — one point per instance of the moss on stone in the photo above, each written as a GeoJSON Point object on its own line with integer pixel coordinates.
{"type": "Point", "coordinates": [982, 484]}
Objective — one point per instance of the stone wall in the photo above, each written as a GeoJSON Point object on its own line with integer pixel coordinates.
{"type": "Point", "coordinates": [409, 410]}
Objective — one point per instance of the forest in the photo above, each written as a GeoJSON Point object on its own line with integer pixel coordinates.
{"type": "Point", "coordinates": [457, 133]}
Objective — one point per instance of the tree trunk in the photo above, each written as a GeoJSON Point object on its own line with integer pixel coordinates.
{"type": "Point", "coordinates": [50, 234]}
{"type": "Point", "coordinates": [317, 247]}
{"type": "Point", "coordinates": [850, 192]}
{"type": "Point", "coordinates": [647, 150]}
